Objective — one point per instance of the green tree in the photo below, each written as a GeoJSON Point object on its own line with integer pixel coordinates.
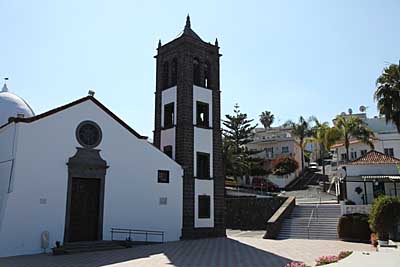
{"type": "Point", "coordinates": [385, 214]}
{"type": "Point", "coordinates": [237, 133]}
{"type": "Point", "coordinates": [266, 119]}
{"type": "Point", "coordinates": [325, 136]}
{"type": "Point", "coordinates": [352, 127]}
{"type": "Point", "coordinates": [387, 94]}
{"type": "Point", "coordinates": [301, 130]}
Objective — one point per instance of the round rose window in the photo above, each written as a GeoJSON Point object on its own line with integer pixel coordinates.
{"type": "Point", "coordinates": [88, 134]}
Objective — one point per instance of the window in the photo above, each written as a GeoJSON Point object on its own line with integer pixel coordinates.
{"type": "Point", "coordinates": [353, 154]}
{"type": "Point", "coordinates": [169, 115]}
{"type": "Point", "coordinates": [165, 75]}
{"type": "Point", "coordinates": [174, 72]}
{"type": "Point", "coordinates": [363, 152]}
{"type": "Point", "coordinates": [285, 149]}
{"type": "Point", "coordinates": [203, 165]}
{"type": "Point", "coordinates": [196, 71]}
{"type": "Point", "coordinates": [204, 207]}
{"type": "Point", "coordinates": [168, 151]}
{"type": "Point", "coordinates": [207, 71]}
{"type": "Point", "coordinates": [343, 156]}
{"type": "Point", "coordinates": [389, 152]}
{"type": "Point", "coordinates": [269, 152]}
{"type": "Point", "coordinates": [202, 114]}
{"type": "Point", "coordinates": [163, 176]}
{"type": "Point", "coordinates": [88, 134]}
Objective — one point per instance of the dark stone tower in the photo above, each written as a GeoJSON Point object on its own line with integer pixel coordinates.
{"type": "Point", "coordinates": [187, 127]}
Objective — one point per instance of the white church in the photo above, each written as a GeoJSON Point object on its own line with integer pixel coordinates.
{"type": "Point", "coordinates": [74, 173]}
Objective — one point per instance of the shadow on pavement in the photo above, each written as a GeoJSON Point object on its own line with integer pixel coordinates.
{"type": "Point", "coordinates": [200, 252]}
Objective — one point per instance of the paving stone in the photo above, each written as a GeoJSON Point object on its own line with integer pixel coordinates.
{"type": "Point", "coordinates": [239, 249]}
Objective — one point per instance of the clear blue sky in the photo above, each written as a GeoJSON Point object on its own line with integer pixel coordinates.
{"type": "Point", "coordinates": [291, 57]}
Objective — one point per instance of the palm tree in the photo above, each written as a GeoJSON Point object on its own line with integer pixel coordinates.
{"type": "Point", "coordinates": [387, 94]}
{"type": "Point", "coordinates": [352, 127]}
{"type": "Point", "coordinates": [325, 136]}
{"type": "Point", "coordinates": [301, 130]}
{"type": "Point", "coordinates": [266, 119]}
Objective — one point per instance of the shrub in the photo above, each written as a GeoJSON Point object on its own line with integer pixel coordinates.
{"type": "Point", "coordinates": [331, 259]}
{"type": "Point", "coordinates": [326, 260]}
{"type": "Point", "coordinates": [296, 264]}
{"type": "Point", "coordinates": [354, 227]}
{"type": "Point", "coordinates": [385, 214]}
{"type": "Point", "coordinates": [344, 254]}
{"type": "Point", "coordinates": [284, 166]}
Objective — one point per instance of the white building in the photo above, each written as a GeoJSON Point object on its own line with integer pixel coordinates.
{"type": "Point", "coordinates": [387, 141]}
{"type": "Point", "coordinates": [274, 143]}
{"type": "Point", "coordinates": [371, 175]}
{"type": "Point", "coordinates": [76, 172]}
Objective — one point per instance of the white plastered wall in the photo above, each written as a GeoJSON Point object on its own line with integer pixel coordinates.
{"type": "Point", "coordinates": [7, 141]}
{"type": "Point", "coordinates": [131, 197]}
{"type": "Point", "coordinates": [168, 96]}
{"type": "Point", "coordinates": [203, 142]}
{"type": "Point", "coordinates": [168, 135]}
{"type": "Point", "coordinates": [203, 95]}
{"type": "Point", "coordinates": [358, 198]}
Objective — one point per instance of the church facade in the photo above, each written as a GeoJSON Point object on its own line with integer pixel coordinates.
{"type": "Point", "coordinates": [75, 172]}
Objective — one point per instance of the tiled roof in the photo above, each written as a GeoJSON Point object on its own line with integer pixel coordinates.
{"type": "Point", "coordinates": [342, 144]}
{"type": "Point", "coordinates": [375, 157]}
{"type": "Point", "coordinates": [351, 142]}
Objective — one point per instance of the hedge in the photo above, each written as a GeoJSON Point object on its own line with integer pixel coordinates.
{"type": "Point", "coordinates": [354, 227]}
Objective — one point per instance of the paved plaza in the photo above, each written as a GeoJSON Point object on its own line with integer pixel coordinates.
{"type": "Point", "coordinates": [238, 249]}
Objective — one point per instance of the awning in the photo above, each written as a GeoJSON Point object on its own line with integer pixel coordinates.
{"type": "Point", "coordinates": [381, 177]}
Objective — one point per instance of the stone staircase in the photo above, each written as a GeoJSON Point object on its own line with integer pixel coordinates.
{"type": "Point", "coordinates": [323, 224]}
{"type": "Point", "coordinates": [78, 247]}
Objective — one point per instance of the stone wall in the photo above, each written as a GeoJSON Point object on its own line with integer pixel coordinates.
{"type": "Point", "coordinates": [249, 213]}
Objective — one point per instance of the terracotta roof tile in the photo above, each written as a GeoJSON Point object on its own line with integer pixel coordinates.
{"type": "Point", "coordinates": [375, 157]}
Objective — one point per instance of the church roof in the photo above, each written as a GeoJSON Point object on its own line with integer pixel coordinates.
{"type": "Point", "coordinates": [12, 105]}
{"type": "Point", "coordinates": [375, 157]}
{"type": "Point", "coordinates": [74, 103]}
{"type": "Point", "coordinates": [187, 31]}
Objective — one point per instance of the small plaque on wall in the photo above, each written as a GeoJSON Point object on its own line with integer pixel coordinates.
{"type": "Point", "coordinates": [43, 201]}
{"type": "Point", "coordinates": [163, 201]}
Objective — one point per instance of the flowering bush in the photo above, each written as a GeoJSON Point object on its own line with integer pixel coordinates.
{"type": "Point", "coordinates": [326, 260]}
{"type": "Point", "coordinates": [331, 259]}
{"type": "Point", "coordinates": [296, 264]}
{"type": "Point", "coordinates": [284, 165]}
{"type": "Point", "coordinates": [344, 254]}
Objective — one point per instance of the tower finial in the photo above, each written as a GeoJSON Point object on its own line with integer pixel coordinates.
{"type": "Point", "coordinates": [159, 43]}
{"type": "Point", "coordinates": [187, 21]}
{"type": "Point", "coordinates": [5, 89]}
{"type": "Point", "coordinates": [216, 42]}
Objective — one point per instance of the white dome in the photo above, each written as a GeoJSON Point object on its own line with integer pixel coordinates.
{"type": "Point", "coordinates": [12, 105]}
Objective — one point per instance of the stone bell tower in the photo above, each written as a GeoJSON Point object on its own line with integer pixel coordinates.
{"type": "Point", "coordinates": [187, 127]}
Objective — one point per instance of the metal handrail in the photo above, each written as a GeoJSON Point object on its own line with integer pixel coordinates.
{"type": "Point", "coordinates": [132, 232]}
{"type": "Point", "coordinates": [314, 210]}
{"type": "Point", "coordinates": [309, 223]}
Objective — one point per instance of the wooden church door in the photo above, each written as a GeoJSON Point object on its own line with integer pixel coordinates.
{"type": "Point", "coordinates": [84, 210]}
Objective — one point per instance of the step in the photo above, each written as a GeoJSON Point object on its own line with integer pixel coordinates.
{"type": "Point", "coordinates": [323, 224]}
{"type": "Point", "coordinates": [77, 247]}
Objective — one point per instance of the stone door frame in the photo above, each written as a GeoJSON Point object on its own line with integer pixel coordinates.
{"type": "Point", "coordinates": [86, 164]}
